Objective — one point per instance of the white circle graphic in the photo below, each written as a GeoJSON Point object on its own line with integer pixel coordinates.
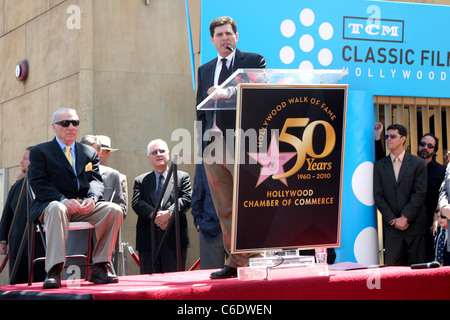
{"type": "Point", "coordinates": [306, 65]}
{"type": "Point", "coordinates": [365, 247]}
{"type": "Point", "coordinates": [287, 28]}
{"type": "Point", "coordinates": [287, 55]}
{"type": "Point", "coordinates": [306, 43]}
{"type": "Point", "coordinates": [326, 31]}
{"type": "Point", "coordinates": [362, 183]}
{"type": "Point", "coordinates": [325, 57]}
{"type": "Point", "coordinates": [307, 17]}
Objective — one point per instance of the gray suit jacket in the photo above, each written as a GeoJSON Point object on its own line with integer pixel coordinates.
{"type": "Point", "coordinates": [112, 181]}
{"type": "Point", "coordinates": [405, 197]}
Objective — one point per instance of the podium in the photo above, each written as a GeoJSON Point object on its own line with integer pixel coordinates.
{"type": "Point", "coordinates": [288, 164]}
{"type": "Point", "coordinates": [226, 92]}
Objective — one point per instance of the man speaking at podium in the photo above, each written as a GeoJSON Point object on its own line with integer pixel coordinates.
{"type": "Point", "coordinates": [215, 123]}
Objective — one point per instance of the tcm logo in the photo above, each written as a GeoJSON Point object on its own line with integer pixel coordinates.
{"type": "Point", "coordinates": [373, 29]}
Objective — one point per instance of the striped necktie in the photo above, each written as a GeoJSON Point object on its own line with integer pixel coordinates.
{"type": "Point", "coordinates": [397, 165]}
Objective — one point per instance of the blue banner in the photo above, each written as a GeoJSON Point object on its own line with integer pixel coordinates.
{"type": "Point", "coordinates": [388, 48]}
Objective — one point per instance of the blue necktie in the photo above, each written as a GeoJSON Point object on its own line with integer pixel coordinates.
{"type": "Point", "coordinates": [440, 247]}
{"type": "Point", "coordinates": [160, 186]}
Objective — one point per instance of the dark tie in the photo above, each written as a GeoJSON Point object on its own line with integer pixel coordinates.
{"type": "Point", "coordinates": [223, 72]}
{"type": "Point", "coordinates": [160, 186]}
{"type": "Point", "coordinates": [222, 78]}
{"type": "Point", "coordinates": [440, 247]}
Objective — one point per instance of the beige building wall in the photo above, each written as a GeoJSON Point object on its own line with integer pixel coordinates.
{"type": "Point", "coordinates": [126, 69]}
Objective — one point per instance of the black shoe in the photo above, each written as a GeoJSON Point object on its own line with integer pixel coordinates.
{"type": "Point", "coordinates": [53, 278]}
{"type": "Point", "coordinates": [100, 274]}
{"type": "Point", "coordinates": [226, 272]}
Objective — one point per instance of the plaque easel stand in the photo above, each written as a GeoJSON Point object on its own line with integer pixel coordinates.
{"type": "Point", "coordinates": [284, 263]}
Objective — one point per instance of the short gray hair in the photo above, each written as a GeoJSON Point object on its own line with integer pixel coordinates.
{"type": "Point", "coordinates": [151, 143]}
{"type": "Point", "coordinates": [59, 111]}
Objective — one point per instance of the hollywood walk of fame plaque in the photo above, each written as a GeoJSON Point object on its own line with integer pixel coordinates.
{"type": "Point", "coordinates": [288, 166]}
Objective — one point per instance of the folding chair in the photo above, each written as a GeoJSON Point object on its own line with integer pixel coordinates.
{"type": "Point", "coordinates": [72, 226]}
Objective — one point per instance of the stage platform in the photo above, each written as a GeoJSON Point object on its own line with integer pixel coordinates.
{"type": "Point", "coordinates": [387, 283]}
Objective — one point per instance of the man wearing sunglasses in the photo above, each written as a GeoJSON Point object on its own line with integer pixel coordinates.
{"type": "Point", "coordinates": [400, 186]}
{"type": "Point", "coordinates": [67, 185]}
{"type": "Point", "coordinates": [147, 191]}
{"type": "Point", "coordinates": [428, 147]}
{"type": "Point", "coordinates": [444, 198]}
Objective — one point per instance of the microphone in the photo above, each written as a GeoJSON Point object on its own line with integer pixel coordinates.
{"type": "Point", "coordinates": [232, 50]}
{"type": "Point", "coordinates": [428, 265]}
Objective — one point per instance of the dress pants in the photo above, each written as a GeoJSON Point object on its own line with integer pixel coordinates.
{"type": "Point", "coordinates": [220, 176]}
{"type": "Point", "coordinates": [106, 217]}
{"type": "Point", "coordinates": [212, 253]}
{"type": "Point", "coordinates": [405, 250]}
{"type": "Point", "coordinates": [167, 260]}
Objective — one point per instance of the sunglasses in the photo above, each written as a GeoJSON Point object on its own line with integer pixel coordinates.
{"type": "Point", "coordinates": [392, 136]}
{"type": "Point", "coordinates": [155, 152]}
{"type": "Point", "coordinates": [66, 123]}
{"type": "Point", "coordinates": [440, 214]}
{"type": "Point", "coordinates": [428, 145]}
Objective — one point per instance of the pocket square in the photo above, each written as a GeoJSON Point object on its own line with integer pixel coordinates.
{"type": "Point", "coordinates": [88, 167]}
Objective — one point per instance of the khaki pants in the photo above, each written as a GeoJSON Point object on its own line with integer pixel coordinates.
{"type": "Point", "coordinates": [220, 180]}
{"type": "Point", "coordinates": [106, 217]}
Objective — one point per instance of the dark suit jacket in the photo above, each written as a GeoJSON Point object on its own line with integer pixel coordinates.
{"type": "Point", "coordinates": [206, 81]}
{"type": "Point", "coordinates": [202, 209]}
{"type": "Point", "coordinates": [7, 218]}
{"type": "Point", "coordinates": [144, 202]}
{"type": "Point", "coordinates": [52, 177]}
{"type": "Point", "coordinates": [444, 195]}
{"type": "Point", "coordinates": [405, 197]}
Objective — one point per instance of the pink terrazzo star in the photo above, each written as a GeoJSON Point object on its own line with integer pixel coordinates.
{"type": "Point", "coordinates": [272, 162]}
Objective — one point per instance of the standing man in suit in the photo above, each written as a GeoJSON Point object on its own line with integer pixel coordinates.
{"type": "Point", "coordinates": [400, 187]}
{"type": "Point", "coordinates": [428, 148]}
{"type": "Point", "coordinates": [9, 209]}
{"type": "Point", "coordinates": [65, 179]}
{"type": "Point", "coordinates": [212, 251]}
{"type": "Point", "coordinates": [146, 192]}
{"type": "Point", "coordinates": [104, 154]}
{"type": "Point", "coordinates": [224, 37]}
{"type": "Point", "coordinates": [444, 198]}
{"type": "Point", "coordinates": [111, 178]}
